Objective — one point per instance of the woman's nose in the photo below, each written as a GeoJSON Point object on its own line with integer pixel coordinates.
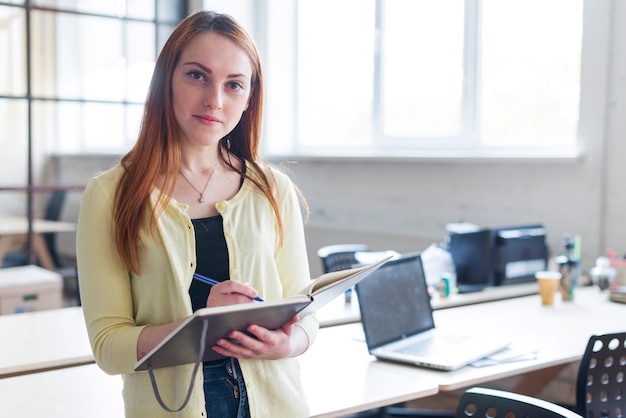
{"type": "Point", "coordinates": [213, 98]}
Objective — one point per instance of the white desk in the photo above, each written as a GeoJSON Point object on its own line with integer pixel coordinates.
{"type": "Point", "coordinates": [36, 341]}
{"type": "Point", "coordinates": [14, 232]}
{"type": "Point", "coordinates": [75, 392]}
{"type": "Point", "coordinates": [339, 375]}
{"type": "Point", "coordinates": [560, 333]}
{"type": "Point", "coordinates": [337, 382]}
{"type": "Point", "coordinates": [28, 330]}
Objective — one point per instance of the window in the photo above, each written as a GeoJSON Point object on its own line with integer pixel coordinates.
{"type": "Point", "coordinates": [73, 79]}
{"type": "Point", "coordinates": [389, 77]}
{"type": "Point", "coordinates": [75, 75]}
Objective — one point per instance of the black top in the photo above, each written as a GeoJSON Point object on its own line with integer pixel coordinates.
{"type": "Point", "coordinates": [212, 257]}
{"type": "Point", "coordinates": [211, 254]}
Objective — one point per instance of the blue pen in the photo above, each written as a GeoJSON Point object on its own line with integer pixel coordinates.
{"type": "Point", "coordinates": [213, 282]}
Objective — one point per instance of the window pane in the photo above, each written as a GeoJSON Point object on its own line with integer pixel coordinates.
{"type": "Point", "coordinates": [163, 32]}
{"type": "Point", "coordinates": [422, 79]}
{"type": "Point", "coordinates": [69, 127]}
{"type": "Point", "coordinates": [14, 122]}
{"type": "Point", "coordinates": [140, 9]}
{"type": "Point", "coordinates": [88, 65]}
{"type": "Point", "coordinates": [12, 51]}
{"type": "Point", "coordinates": [169, 11]}
{"type": "Point", "coordinates": [530, 71]}
{"type": "Point", "coordinates": [140, 57]}
{"type": "Point", "coordinates": [335, 66]}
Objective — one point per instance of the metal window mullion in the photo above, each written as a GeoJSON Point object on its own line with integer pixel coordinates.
{"type": "Point", "coordinates": [377, 99]}
{"type": "Point", "coordinates": [296, 145]}
{"type": "Point", "coordinates": [29, 134]}
{"type": "Point", "coordinates": [470, 112]}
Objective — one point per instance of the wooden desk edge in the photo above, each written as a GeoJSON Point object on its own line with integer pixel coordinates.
{"type": "Point", "coordinates": [21, 370]}
{"type": "Point", "coordinates": [506, 373]}
{"type": "Point", "coordinates": [490, 294]}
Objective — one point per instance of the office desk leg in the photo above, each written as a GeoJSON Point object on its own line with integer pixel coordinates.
{"type": "Point", "coordinates": [4, 247]}
{"type": "Point", "coordinates": [41, 251]}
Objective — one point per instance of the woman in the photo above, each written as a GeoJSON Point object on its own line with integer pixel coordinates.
{"type": "Point", "coordinates": [192, 196]}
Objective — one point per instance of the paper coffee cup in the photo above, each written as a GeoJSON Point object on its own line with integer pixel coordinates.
{"type": "Point", "coordinates": [548, 284]}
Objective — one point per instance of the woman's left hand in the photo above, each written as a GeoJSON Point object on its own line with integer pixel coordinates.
{"type": "Point", "coordinates": [260, 343]}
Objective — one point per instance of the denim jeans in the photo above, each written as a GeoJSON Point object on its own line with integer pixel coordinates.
{"type": "Point", "coordinates": [224, 390]}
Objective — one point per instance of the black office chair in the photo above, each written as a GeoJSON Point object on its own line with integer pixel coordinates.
{"type": "Point", "coordinates": [339, 256]}
{"type": "Point", "coordinates": [601, 384]}
{"type": "Point", "coordinates": [482, 402]}
{"type": "Point", "coordinates": [54, 206]}
{"type": "Point", "coordinates": [66, 268]}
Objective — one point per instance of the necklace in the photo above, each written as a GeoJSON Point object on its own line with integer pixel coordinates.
{"type": "Point", "coordinates": [201, 199]}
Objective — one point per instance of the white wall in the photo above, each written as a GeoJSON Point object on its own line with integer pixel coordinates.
{"type": "Point", "coordinates": [414, 201]}
{"type": "Point", "coordinates": [615, 213]}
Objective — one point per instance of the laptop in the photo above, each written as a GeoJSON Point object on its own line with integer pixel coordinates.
{"type": "Point", "coordinates": [398, 321]}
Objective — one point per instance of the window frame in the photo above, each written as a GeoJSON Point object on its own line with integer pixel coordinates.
{"type": "Point", "coordinates": [280, 142]}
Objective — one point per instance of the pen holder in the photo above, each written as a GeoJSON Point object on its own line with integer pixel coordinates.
{"type": "Point", "coordinates": [569, 277]}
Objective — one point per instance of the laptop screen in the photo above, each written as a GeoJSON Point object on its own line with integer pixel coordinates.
{"type": "Point", "coordinates": [394, 301]}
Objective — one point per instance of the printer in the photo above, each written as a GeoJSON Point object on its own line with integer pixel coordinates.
{"type": "Point", "coordinates": [518, 253]}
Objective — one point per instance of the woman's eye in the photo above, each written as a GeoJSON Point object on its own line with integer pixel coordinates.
{"type": "Point", "coordinates": [196, 75]}
{"type": "Point", "coordinates": [235, 85]}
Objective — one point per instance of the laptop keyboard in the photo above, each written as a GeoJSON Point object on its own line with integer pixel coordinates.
{"type": "Point", "coordinates": [421, 348]}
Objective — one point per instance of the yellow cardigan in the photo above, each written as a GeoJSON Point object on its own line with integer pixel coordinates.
{"type": "Point", "coordinates": [118, 304]}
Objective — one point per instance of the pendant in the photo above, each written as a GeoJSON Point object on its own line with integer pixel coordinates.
{"type": "Point", "coordinates": [201, 200]}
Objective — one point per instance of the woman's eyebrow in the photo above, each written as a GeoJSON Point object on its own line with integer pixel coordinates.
{"type": "Point", "coordinates": [208, 70]}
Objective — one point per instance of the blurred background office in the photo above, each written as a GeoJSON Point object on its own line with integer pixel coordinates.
{"type": "Point", "coordinates": [395, 117]}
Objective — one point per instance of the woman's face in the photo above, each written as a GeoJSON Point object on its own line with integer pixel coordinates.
{"type": "Point", "coordinates": [211, 88]}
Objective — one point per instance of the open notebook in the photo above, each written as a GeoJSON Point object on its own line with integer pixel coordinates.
{"type": "Point", "coordinates": [192, 340]}
{"type": "Point", "coordinates": [398, 321]}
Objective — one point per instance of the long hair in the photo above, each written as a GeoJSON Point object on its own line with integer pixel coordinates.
{"type": "Point", "coordinates": [157, 150]}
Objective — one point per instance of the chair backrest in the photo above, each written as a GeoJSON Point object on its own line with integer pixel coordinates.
{"type": "Point", "coordinates": [482, 402]}
{"type": "Point", "coordinates": [54, 207]}
{"type": "Point", "coordinates": [339, 256]}
{"type": "Point", "coordinates": [601, 384]}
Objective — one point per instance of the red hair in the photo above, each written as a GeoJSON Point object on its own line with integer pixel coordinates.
{"type": "Point", "coordinates": [157, 150]}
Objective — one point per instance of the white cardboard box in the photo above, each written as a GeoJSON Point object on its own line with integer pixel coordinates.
{"type": "Point", "coordinates": [29, 288]}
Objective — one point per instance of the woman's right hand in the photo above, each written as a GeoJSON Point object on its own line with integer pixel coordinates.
{"type": "Point", "coordinates": [231, 292]}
